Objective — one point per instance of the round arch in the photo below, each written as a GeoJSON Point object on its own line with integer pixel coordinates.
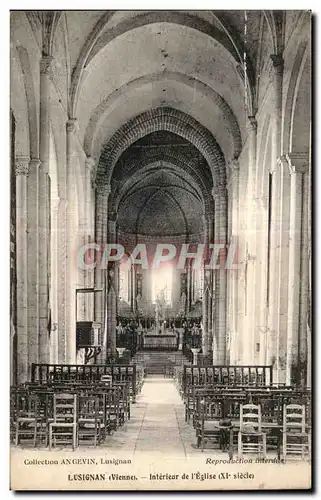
{"type": "Point", "coordinates": [162, 119]}
{"type": "Point", "coordinates": [228, 119]}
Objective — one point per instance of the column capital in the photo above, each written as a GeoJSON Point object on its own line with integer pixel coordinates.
{"type": "Point", "coordinates": [72, 125]}
{"type": "Point", "coordinates": [22, 165]}
{"type": "Point", "coordinates": [218, 191]}
{"type": "Point", "coordinates": [298, 162]}
{"type": "Point", "coordinates": [46, 63]}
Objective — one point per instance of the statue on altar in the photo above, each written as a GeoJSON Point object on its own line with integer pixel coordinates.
{"type": "Point", "coordinates": [159, 312]}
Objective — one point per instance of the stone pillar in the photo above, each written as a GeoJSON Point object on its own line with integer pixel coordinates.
{"type": "Point", "coordinates": [205, 292]}
{"type": "Point", "coordinates": [54, 285]}
{"type": "Point", "coordinates": [112, 285]}
{"type": "Point", "coordinates": [233, 195]}
{"type": "Point", "coordinates": [133, 288]}
{"type": "Point", "coordinates": [210, 222]}
{"type": "Point", "coordinates": [89, 174]}
{"type": "Point", "coordinates": [101, 239]}
{"type": "Point", "coordinates": [188, 284]}
{"type": "Point", "coordinates": [71, 268]}
{"type": "Point", "coordinates": [33, 261]}
{"type": "Point", "coordinates": [296, 350]}
{"type": "Point", "coordinates": [21, 171]}
{"type": "Point", "coordinates": [44, 208]}
{"type": "Point", "coordinates": [89, 275]}
{"type": "Point", "coordinates": [250, 331]}
{"type": "Point", "coordinates": [219, 331]}
{"type": "Point", "coordinates": [274, 289]}
{"type": "Point", "coordinates": [195, 352]}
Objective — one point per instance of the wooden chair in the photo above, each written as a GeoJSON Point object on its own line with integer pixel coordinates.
{"type": "Point", "coordinates": [28, 417]}
{"type": "Point", "coordinates": [211, 413]}
{"type": "Point", "coordinates": [296, 439]}
{"type": "Point", "coordinates": [251, 439]}
{"type": "Point", "coordinates": [90, 422]}
{"type": "Point", "coordinates": [63, 429]}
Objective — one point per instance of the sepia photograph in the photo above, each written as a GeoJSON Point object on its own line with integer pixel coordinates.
{"type": "Point", "coordinates": [160, 250]}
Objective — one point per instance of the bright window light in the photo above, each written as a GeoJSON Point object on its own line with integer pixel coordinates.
{"type": "Point", "coordinates": [162, 279]}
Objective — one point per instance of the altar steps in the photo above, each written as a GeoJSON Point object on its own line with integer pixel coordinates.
{"type": "Point", "coordinates": [156, 362]}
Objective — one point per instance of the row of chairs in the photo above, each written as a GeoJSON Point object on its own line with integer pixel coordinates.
{"type": "Point", "coordinates": [253, 433]}
{"type": "Point", "coordinates": [216, 411]}
{"type": "Point", "coordinates": [68, 413]}
{"type": "Point", "coordinates": [271, 397]}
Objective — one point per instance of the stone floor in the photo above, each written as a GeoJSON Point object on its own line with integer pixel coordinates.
{"type": "Point", "coordinates": [157, 424]}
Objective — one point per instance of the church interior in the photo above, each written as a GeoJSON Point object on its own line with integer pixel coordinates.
{"type": "Point", "coordinates": [161, 231]}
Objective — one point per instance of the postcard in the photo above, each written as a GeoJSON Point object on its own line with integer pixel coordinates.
{"type": "Point", "coordinates": [160, 250]}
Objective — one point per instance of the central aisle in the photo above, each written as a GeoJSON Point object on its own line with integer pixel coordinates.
{"type": "Point", "coordinates": [157, 423]}
{"type": "Point", "coordinates": [160, 427]}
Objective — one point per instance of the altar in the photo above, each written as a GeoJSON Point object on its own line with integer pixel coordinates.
{"type": "Point", "coordinates": [160, 337]}
{"type": "Point", "coordinates": [167, 341]}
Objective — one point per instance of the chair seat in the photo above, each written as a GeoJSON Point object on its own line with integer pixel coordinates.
{"type": "Point", "coordinates": [62, 424]}
{"type": "Point", "coordinates": [212, 425]}
{"type": "Point", "coordinates": [26, 419]}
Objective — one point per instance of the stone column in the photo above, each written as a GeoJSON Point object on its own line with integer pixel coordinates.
{"type": "Point", "coordinates": [112, 285]}
{"type": "Point", "coordinates": [62, 273]}
{"type": "Point", "coordinates": [296, 345]}
{"type": "Point", "coordinates": [233, 194]}
{"type": "Point", "coordinates": [101, 237]}
{"type": "Point", "coordinates": [274, 290]}
{"type": "Point", "coordinates": [250, 331]}
{"type": "Point", "coordinates": [21, 171]}
{"type": "Point", "coordinates": [72, 271]}
{"type": "Point", "coordinates": [44, 208]}
{"type": "Point", "coordinates": [33, 261]}
{"type": "Point", "coordinates": [89, 174]}
{"type": "Point", "coordinates": [219, 331]}
{"type": "Point", "coordinates": [205, 292]}
{"type": "Point", "coordinates": [89, 275]}
{"type": "Point", "coordinates": [188, 285]}
{"type": "Point", "coordinates": [54, 285]}
{"type": "Point", "coordinates": [283, 269]}
{"type": "Point", "coordinates": [210, 222]}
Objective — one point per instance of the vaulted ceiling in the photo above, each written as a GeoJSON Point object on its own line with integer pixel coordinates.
{"type": "Point", "coordinates": [201, 68]}
{"type": "Point", "coordinates": [155, 188]}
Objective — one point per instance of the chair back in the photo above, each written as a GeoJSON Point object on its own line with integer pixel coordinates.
{"type": "Point", "coordinates": [294, 418]}
{"type": "Point", "coordinates": [88, 407]}
{"type": "Point", "coordinates": [107, 379]}
{"type": "Point", "coordinates": [65, 408]}
{"type": "Point", "coordinates": [250, 417]}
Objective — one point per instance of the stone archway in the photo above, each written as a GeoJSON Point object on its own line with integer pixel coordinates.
{"type": "Point", "coordinates": [174, 121]}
